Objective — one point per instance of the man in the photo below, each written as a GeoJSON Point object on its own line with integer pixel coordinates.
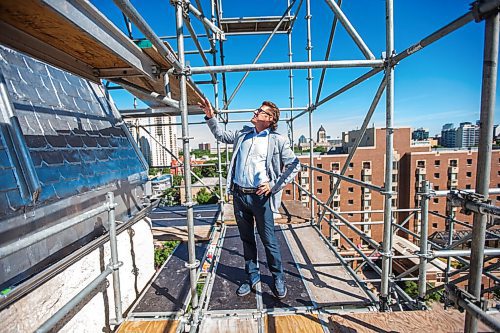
{"type": "Point", "coordinates": [262, 164]}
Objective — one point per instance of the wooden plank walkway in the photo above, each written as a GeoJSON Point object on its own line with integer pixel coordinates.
{"type": "Point", "coordinates": [436, 320]}
{"type": "Point", "coordinates": [327, 280]}
{"type": "Point", "coordinates": [149, 326]}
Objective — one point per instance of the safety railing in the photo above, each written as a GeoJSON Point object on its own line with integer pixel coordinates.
{"type": "Point", "coordinates": [112, 268]}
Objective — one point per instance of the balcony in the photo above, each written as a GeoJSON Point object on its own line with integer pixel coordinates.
{"type": "Point", "coordinates": [366, 172]}
{"type": "Point", "coordinates": [367, 196]}
{"type": "Point", "coordinates": [452, 169]}
{"type": "Point", "coordinates": [453, 183]}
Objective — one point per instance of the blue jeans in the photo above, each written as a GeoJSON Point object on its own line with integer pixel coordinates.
{"type": "Point", "coordinates": [248, 207]}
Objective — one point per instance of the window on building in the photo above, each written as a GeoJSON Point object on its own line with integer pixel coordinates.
{"type": "Point", "coordinates": [319, 178]}
{"type": "Point", "coordinates": [336, 204]}
{"type": "Point", "coordinates": [394, 178]}
{"type": "Point", "coordinates": [366, 165]}
{"type": "Point", "coordinates": [288, 192]}
{"type": "Point", "coordinates": [351, 165]}
{"type": "Point", "coordinates": [468, 174]}
{"type": "Point", "coordinates": [420, 164]}
{"type": "Point", "coordinates": [335, 166]}
{"type": "Point", "coordinates": [394, 189]}
{"type": "Point", "coordinates": [469, 161]}
{"type": "Point", "coordinates": [453, 163]}
{"type": "Point", "coordinates": [393, 202]}
{"type": "Point", "coordinates": [436, 187]}
{"type": "Point", "coordinates": [434, 225]}
{"type": "Point", "coordinates": [437, 162]}
{"type": "Point", "coordinates": [468, 186]}
{"type": "Point", "coordinates": [350, 214]}
{"type": "Point", "coordinates": [319, 190]}
{"type": "Point", "coordinates": [436, 200]}
{"type": "Point", "coordinates": [498, 197]}
{"type": "Point", "coordinates": [395, 165]}
{"type": "Point", "coordinates": [367, 203]}
{"type": "Point", "coordinates": [350, 189]}
{"type": "Point", "coordinates": [319, 165]}
{"type": "Point", "coordinates": [436, 175]}
{"type": "Point", "coordinates": [351, 176]}
{"type": "Point", "coordinates": [350, 202]}
{"type": "Point", "coordinates": [453, 176]}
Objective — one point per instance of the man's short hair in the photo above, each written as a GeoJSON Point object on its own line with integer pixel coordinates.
{"type": "Point", "coordinates": [275, 113]}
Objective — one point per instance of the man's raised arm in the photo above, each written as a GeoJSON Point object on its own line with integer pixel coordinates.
{"type": "Point", "coordinates": [219, 133]}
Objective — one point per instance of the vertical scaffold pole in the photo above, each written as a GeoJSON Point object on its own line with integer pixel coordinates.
{"type": "Point", "coordinates": [290, 123]}
{"type": "Point", "coordinates": [193, 263]}
{"type": "Point", "coordinates": [389, 137]}
{"type": "Point", "coordinates": [216, 101]}
{"type": "Point", "coordinates": [310, 98]}
{"type": "Point", "coordinates": [114, 263]}
{"type": "Point", "coordinates": [424, 233]}
{"type": "Point", "coordinates": [488, 96]}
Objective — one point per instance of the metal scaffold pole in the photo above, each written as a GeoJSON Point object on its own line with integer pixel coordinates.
{"type": "Point", "coordinates": [193, 263]}
{"type": "Point", "coordinates": [389, 136]}
{"type": "Point", "coordinates": [424, 233]}
{"type": "Point", "coordinates": [310, 100]}
{"type": "Point", "coordinates": [488, 96]}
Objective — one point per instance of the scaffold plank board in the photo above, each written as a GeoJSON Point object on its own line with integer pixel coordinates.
{"type": "Point", "coordinates": [229, 325]}
{"type": "Point", "coordinates": [297, 295]}
{"type": "Point", "coordinates": [297, 323]}
{"type": "Point", "coordinates": [327, 280]}
{"type": "Point", "coordinates": [436, 320]}
{"type": "Point", "coordinates": [170, 287]}
{"type": "Point", "coordinates": [149, 326]}
{"type": "Point", "coordinates": [263, 24]}
{"type": "Point", "coordinates": [230, 273]}
{"type": "Point", "coordinates": [77, 37]}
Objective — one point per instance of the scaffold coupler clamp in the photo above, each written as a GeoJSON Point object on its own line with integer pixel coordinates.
{"type": "Point", "coordinates": [195, 264]}
{"type": "Point", "coordinates": [116, 266]}
{"type": "Point", "coordinates": [184, 71]}
{"type": "Point", "coordinates": [454, 294]}
{"type": "Point", "coordinates": [384, 303]}
{"type": "Point", "coordinates": [189, 204]}
{"type": "Point", "coordinates": [389, 62]}
{"type": "Point", "coordinates": [482, 9]}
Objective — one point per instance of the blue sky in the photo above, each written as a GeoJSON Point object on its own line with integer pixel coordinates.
{"type": "Point", "coordinates": [437, 85]}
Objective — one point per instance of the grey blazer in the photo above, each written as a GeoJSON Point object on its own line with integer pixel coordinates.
{"type": "Point", "coordinates": [281, 163]}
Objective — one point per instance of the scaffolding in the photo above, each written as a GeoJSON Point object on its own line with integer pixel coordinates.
{"type": "Point", "coordinates": [217, 29]}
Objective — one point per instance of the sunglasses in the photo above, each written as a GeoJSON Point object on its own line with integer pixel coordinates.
{"type": "Point", "coordinates": [259, 110]}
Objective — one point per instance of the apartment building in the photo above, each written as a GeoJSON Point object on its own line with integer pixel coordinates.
{"type": "Point", "coordinates": [158, 146]}
{"type": "Point", "coordinates": [445, 169]}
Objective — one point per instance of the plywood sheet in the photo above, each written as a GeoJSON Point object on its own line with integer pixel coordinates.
{"type": "Point", "coordinates": [229, 325]}
{"type": "Point", "coordinates": [154, 326]}
{"type": "Point", "coordinates": [76, 46]}
{"type": "Point", "coordinates": [435, 321]}
{"type": "Point", "coordinates": [201, 233]}
{"type": "Point", "coordinates": [327, 280]}
{"type": "Point", "coordinates": [299, 323]}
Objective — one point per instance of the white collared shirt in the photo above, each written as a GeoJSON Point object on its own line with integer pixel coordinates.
{"type": "Point", "coordinates": [250, 168]}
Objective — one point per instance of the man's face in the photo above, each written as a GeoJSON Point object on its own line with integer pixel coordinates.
{"type": "Point", "coordinates": [262, 117]}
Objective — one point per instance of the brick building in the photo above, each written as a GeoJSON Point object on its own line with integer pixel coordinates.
{"type": "Point", "coordinates": [445, 169]}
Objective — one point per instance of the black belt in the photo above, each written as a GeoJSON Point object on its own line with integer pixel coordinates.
{"type": "Point", "coordinates": [245, 190]}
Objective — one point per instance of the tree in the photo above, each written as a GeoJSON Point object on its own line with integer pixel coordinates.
{"type": "Point", "coordinates": [209, 171]}
{"type": "Point", "coordinates": [320, 149]}
{"type": "Point", "coordinates": [204, 197]}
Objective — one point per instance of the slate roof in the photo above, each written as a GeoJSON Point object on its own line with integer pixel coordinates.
{"type": "Point", "coordinates": [75, 141]}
